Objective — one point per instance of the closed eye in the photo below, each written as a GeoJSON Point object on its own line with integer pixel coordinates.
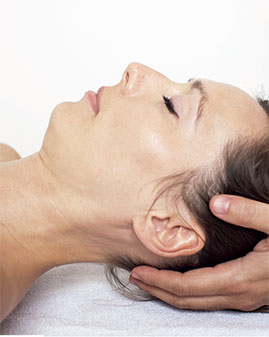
{"type": "Point", "coordinates": [169, 104]}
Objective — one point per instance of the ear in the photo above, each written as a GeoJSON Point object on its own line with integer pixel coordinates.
{"type": "Point", "coordinates": [169, 235]}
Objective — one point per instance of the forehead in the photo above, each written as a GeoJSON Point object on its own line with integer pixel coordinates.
{"type": "Point", "coordinates": [234, 107]}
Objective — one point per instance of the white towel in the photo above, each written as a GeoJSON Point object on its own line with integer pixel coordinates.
{"type": "Point", "coordinates": [77, 300]}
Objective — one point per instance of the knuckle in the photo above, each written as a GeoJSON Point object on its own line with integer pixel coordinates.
{"type": "Point", "coordinates": [248, 213]}
{"type": "Point", "coordinates": [183, 290]}
{"type": "Point", "coordinates": [241, 288]}
{"type": "Point", "coordinates": [180, 304]}
{"type": "Point", "coordinates": [237, 289]}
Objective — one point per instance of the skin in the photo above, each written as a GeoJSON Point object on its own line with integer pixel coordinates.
{"type": "Point", "coordinates": [7, 153]}
{"type": "Point", "coordinates": [85, 196]}
{"type": "Point", "coordinates": [241, 284]}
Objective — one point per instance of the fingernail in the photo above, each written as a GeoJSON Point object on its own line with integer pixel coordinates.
{"type": "Point", "coordinates": [221, 205]}
{"type": "Point", "coordinates": [136, 276]}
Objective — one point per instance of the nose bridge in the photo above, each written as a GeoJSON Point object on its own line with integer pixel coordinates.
{"type": "Point", "coordinates": [137, 78]}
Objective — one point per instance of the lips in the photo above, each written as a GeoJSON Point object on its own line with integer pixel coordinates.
{"type": "Point", "coordinates": [95, 99]}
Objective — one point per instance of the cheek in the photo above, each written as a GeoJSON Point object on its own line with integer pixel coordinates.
{"type": "Point", "coordinates": [130, 141]}
{"type": "Point", "coordinates": [152, 150]}
{"type": "Point", "coordinates": [156, 145]}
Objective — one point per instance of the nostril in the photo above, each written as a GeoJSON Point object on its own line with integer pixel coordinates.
{"type": "Point", "coordinates": [126, 78]}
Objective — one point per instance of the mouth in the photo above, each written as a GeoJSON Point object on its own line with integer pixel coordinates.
{"type": "Point", "coordinates": [95, 99]}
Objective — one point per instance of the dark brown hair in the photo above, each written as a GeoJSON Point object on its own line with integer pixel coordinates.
{"type": "Point", "coordinates": [243, 170]}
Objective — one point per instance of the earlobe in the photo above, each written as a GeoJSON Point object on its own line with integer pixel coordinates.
{"type": "Point", "coordinates": [168, 236]}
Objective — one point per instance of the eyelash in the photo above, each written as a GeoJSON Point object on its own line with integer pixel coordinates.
{"type": "Point", "coordinates": [169, 104]}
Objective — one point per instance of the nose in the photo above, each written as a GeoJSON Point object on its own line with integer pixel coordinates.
{"type": "Point", "coordinates": [137, 78]}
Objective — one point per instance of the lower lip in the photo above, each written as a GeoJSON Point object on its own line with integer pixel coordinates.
{"type": "Point", "coordinates": [92, 97]}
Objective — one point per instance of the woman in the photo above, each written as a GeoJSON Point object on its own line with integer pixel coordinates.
{"type": "Point", "coordinates": [88, 194]}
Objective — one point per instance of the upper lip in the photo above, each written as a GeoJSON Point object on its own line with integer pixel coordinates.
{"type": "Point", "coordinates": [98, 97]}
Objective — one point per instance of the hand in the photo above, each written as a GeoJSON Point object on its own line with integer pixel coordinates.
{"type": "Point", "coordinates": [241, 284]}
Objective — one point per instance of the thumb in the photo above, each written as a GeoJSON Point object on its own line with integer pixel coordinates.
{"type": "Point", "coordinates": [241, 211]}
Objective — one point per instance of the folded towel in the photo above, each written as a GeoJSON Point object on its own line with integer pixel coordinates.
{"type": "Point", "coordinates": [76, 299]}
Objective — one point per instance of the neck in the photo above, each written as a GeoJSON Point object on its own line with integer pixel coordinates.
{"type": "Point", "coordinates": [44, 225]}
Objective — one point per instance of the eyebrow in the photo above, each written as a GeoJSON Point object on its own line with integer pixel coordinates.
{"type": "Point", "coordinates": [203, 97]}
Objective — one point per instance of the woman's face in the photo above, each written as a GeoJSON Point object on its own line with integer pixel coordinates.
{"type": "Point", "coordinates": [134, 139]}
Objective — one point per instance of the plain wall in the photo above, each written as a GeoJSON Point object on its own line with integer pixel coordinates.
{"type": "Point", "coordinates": [55, 50]}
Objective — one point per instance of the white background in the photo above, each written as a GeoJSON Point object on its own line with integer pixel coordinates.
{"type": "Point", "coordinates": [55, 50]}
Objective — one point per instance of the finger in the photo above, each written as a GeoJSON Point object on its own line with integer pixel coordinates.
{"type": "Point", "coordinates": [197, 282]}
{"type": "Point", "coordinates": [241, 211]}
{"type": "Point", "coordinates": [234, 302]}
{"type": "Point", "coordinates": [194, 303]}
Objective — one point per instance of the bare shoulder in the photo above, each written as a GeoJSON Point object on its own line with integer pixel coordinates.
{"type": "Point", "coordinates": [7, 153]}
